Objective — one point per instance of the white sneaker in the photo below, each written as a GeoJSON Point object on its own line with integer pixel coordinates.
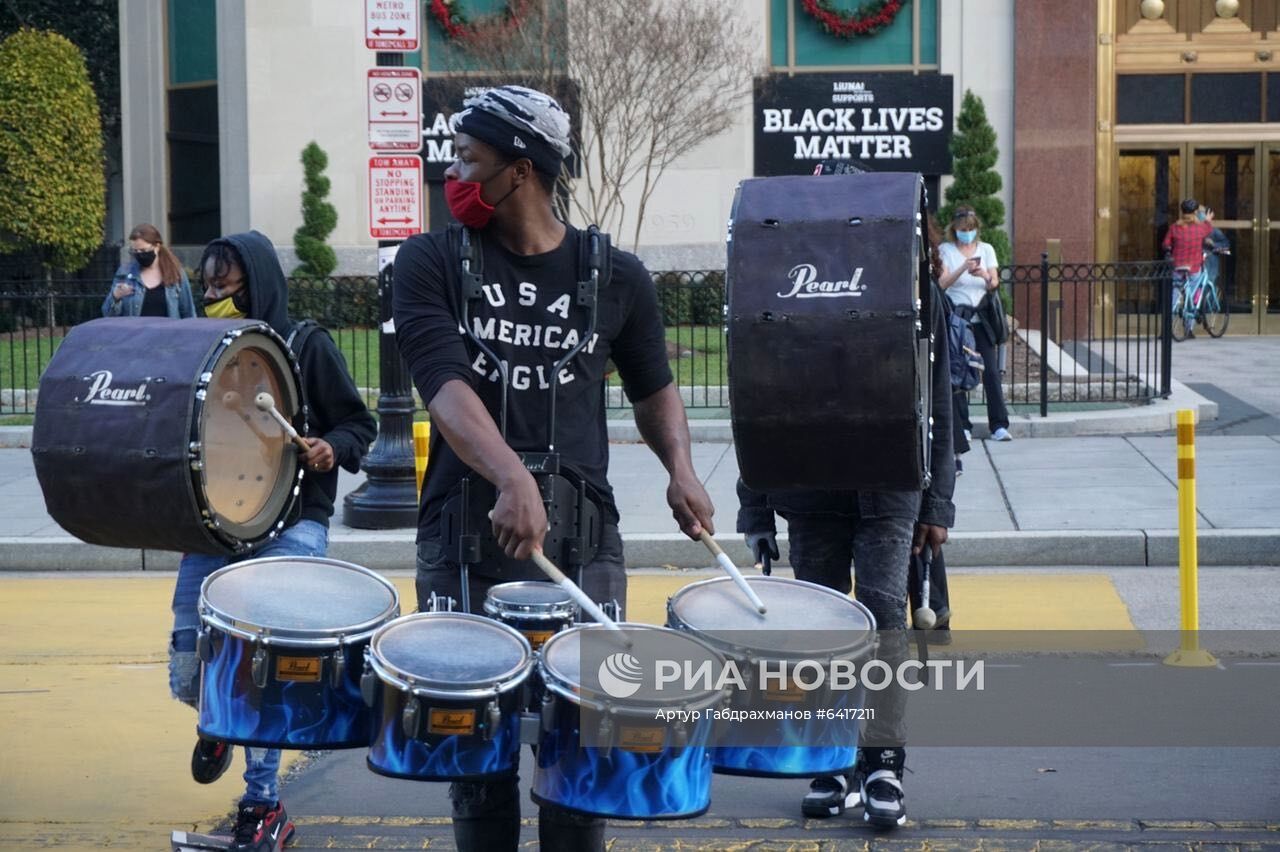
{"type": "Point", "coordinates": [1001, 434]}
{"type": "Point", "coordinates": [968, 436]}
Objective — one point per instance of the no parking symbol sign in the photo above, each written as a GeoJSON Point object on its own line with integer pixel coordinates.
{"type": "Point", "coordinates": [395, 197]}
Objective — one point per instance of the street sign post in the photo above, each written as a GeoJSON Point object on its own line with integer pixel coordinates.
{"type": "Point", "coordinates": [391, 25]}
{"type": "Point", "coordinates": [395, 197]}
{"type": "Point", "coordinates": [395, 109]}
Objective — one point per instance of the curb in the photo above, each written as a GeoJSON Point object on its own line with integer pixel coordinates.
{"type": "Point", "coordinates": [1155, 417]}
{"type": "Point", "coordinates": [395, 551]}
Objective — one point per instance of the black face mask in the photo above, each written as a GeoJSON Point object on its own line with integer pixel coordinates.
{"type": "Point", "coordinates": [144, 258]}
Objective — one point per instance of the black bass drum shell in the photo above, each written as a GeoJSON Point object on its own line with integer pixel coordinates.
{"type": "Point", "coordinates": [829, 332]}
{"type": "Point", "coordinates": [147, 436]}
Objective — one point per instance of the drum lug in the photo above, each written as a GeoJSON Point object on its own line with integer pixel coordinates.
{"type": "Point", "coordinates": [440, 603]}
{"type": "Point", "coordinates": [531, 726]}
{"type": "Point", "coordinates": [204, 645]}
{"type": "Point", "coordinates": [409, 717]}
{"type": "Point", "coordinates": [606, 736]}
{"type": "Point", "coordinates": [613, 609]}
{"type": "Point", "coordinates": [493, 718]}
{"type": "Point", "coordinates": [548, 713]}
{"type": "Point", "coordinates": [260, 669]}
{"type": "Point", "coordinates": [338, 666]}
{"type": "Point", "coordinates": [368, 684]}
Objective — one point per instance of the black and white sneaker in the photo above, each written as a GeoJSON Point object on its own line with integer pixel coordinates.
{"type": "Point", "coordinates": [877, 781]}
{"type": "Point", "coordinates": [828, 796]}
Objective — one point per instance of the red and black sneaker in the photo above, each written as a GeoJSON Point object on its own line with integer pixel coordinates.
{"type": "Point", "coordinates": [261, 829]}
{"type": "Point", "coordinates": [209, 759]}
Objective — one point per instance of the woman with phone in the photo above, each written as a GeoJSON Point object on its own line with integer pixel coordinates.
{"type": "Point", "coordinates": [152, 283]}
{"type": "Point", "coordinates": [970, 274]}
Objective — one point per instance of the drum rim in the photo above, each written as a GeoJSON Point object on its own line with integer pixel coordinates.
{"type": "Point", "coordinates": [850, 650]}
{"type": "Point", "coordinates": [213, 617]}
{"type": "Point", "coordinates": [542, 611]}
{"type": "Point", "coordinates": [603, 702]}
{"type": "Point", "coordinates": [227, 533]}
{"type": "Point", "coordinates": [392, 675]}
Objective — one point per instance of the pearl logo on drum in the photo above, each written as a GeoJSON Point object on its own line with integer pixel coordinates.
{"type": "Point", "coordinates": [620, 675]}
{"type": "Point", "coordinates": [805, 284]}
{"type": "Point", "coordinates": [102, 393]}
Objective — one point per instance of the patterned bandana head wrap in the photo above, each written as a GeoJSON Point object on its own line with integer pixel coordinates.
{"type": "Point", "coordinates": [518, 122]}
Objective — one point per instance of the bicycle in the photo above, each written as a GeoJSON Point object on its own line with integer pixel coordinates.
{"type": "Point", "coordinates": [1196, 299]}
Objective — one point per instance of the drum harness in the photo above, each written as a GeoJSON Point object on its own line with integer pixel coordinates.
{"type": "Point", "coordinates": [573, 536]}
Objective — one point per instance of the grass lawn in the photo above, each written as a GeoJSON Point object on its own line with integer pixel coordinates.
{"type": "Point", "coordinates": [696, 355]}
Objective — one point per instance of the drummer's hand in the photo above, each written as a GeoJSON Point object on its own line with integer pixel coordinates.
{"type": "Point", "coordinates": [690, 505]}
{"type": "Point", "coordinates": [319, 457]}
{"type": "Point", "coordinates": [519, 518]}
{"type": "Point", "coordinates": [931, 535]}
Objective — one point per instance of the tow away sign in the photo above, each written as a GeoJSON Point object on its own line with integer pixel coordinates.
{"type": "Point", "coordinates": [391, 25]}
{"type": "Point", "coordinates": [395, 109]}
{"type": "Point", "coordinates": [395, 197]}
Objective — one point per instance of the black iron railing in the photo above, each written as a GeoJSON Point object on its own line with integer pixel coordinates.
{"type": "Point", "coordinates": [1106, 340]}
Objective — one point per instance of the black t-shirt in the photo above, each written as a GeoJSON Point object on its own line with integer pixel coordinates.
{"type": "Point", "coordinates": [530, 318]}
{"type": "Point", "coordinates": [153, 302]}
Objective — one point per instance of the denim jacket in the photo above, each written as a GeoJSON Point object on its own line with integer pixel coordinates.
{"type": "Point", "coordinates": [177, 298]}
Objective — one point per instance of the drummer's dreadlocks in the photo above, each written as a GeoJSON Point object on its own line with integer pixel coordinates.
{"type": "Point", "coordinates": [223, 255]}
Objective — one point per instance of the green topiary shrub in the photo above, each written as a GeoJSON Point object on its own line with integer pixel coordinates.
{"type": "Point", "coordinates": [52, 193]}
{"type": "Point", "coordinates": [319, 218]}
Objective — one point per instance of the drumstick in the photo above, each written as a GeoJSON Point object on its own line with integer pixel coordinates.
{"type": "Point", "coordinates": [588, 605]}
{"type": "Point", "coordinates": [732, 570]}
{"type": "Point", "coordinates": [265, 403]}
{"type": "Point", "coordinates": [924, 617]}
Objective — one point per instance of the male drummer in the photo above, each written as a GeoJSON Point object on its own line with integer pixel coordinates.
{"type": "Point", "coordinates": [510, 143]}
{"type": "Point", "coordinates": [878, 531]}
{"type": "Point", "coordinates": [243, 279]}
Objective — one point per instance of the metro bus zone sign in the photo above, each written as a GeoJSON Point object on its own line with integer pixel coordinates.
{"type": "Point", "coordinates": [395, 197]}
{"type": "Point", "coordinates": [391, 25]}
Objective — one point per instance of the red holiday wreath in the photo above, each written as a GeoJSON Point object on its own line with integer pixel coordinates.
{"type": "Point", "coordinates": [455, 23]}
{"type": "Point", "coordinates": [869, 19]}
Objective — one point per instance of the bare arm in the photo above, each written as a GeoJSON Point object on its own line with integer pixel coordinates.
{"type": "Point", "coordinates": [519, 518]}
{"type": "Point", "coordinates": [662, 423]}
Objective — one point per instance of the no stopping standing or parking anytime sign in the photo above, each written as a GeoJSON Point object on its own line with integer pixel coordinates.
{"type": "Point", "coordinates": [395, 197]}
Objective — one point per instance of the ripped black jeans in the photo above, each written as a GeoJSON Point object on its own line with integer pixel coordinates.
{"type": "Point", "coordinates": [874, 535]}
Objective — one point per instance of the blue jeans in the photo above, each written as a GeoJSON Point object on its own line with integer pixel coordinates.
{"type": "Point", "coordinates": [305, 538]}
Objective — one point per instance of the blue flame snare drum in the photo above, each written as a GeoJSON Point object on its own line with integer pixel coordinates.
{"type": "Point", "coordinates": [611, 757]}
{"type": "Point", "coordinates": [537, 609]}
{"type": "Point", "coordinates": [447, 691]}
{"type": "Point", "coordinates": [282, 641]}
{"type": "Point", "coordinates": [804, 622]}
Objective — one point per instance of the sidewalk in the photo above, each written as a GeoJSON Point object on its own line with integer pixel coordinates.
{"type": "Point", "coordinates": [1099, 489]}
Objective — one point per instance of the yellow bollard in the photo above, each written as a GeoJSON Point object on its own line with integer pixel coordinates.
{"type": "Point", "coordinates": [1189, 653]}
{"type": "Point", "coordinates": [421, 441]}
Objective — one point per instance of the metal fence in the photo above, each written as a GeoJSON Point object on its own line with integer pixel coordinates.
{"type": "Point", "coordinates": [1104, 342]}
{"type": "Point", "coordinates": [1087, 334]}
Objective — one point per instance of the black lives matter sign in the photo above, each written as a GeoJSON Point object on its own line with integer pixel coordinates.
{"type": "Point", "coordinates": [883, 122]}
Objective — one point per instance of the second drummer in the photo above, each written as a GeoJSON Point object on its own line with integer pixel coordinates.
{"type": "Point", "coordinates": [510, 143]}
{"type": "Point", "coordinates": [243, 279]}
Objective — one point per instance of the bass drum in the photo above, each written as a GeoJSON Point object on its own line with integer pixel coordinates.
{"type": "Point", "coordinates": [147, 436]}
{"type": "Point", "coordinates": [829, 302]}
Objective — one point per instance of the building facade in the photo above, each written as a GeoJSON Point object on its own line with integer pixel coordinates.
{"type": "Point", "coordinates": [221, 96]}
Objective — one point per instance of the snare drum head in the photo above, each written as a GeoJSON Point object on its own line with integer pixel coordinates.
{"type": "Point", "coordinates": [615, 671]}
{"type": "Point", "coordinates": [528, 596]}
{"type": "Point", "coordinates": [452, 650]}
{"type": "Point", "coordinates": [801, 617]}
{"type": "Point", "coordinates": [299, 597]}
{"type": "Point", "coordinates": [249, 462]}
